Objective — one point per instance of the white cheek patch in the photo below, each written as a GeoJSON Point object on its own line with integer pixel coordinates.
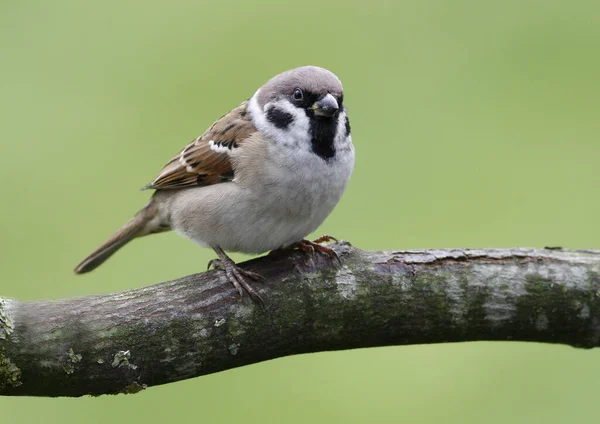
{"type": "Point", "coordinates": [341, 139]}
{"type": "Point", "coordinates": [341, 125]}
{"type": "Point", "coordinates": [298, 131]}
{"type": "Point", "coordinates": [258, 116]}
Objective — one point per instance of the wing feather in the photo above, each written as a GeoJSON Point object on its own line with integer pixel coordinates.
{"type": "Point", "coordinates": [206, 160]}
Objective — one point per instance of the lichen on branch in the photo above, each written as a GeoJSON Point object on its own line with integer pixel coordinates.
{"type": "Point", "coordinates": [124, 342]}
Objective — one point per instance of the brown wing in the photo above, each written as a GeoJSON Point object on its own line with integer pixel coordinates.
{"type": "Point", "coordinates": [206, 160]}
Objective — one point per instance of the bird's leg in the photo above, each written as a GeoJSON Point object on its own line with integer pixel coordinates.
{"type": "Point", "coordinates": [312, 246]}
{"type": "Point", "coordinates": [236, 275]}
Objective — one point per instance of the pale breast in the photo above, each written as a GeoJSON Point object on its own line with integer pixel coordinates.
{"type": "Point", "coordinates": [295, 182]}
{"type": "Point", "coordinates": [277, 197]}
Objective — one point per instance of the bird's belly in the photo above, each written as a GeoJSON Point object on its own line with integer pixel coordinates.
{"type": "Point", "coordinates": [253, 219]}
{"type": "Point", "coordinates": [265, 232]}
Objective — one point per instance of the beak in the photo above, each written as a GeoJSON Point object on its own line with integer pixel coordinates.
{"type": "Point", "coordinates": [327, 106]}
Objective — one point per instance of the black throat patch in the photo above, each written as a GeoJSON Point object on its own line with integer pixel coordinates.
{"type": "Point", "coordinates": [322, 132]}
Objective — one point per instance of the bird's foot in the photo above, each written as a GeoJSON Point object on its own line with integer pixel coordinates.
{"type": "Point", "coordinates": [314, 246]}
{"type": "Point", "coordinates": [324, 238]}
{"type": "Point", "coordinates": [236, 275]}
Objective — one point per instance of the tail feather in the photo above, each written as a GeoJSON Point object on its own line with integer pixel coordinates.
{"type": "Point", "coordinates": [141, 224]}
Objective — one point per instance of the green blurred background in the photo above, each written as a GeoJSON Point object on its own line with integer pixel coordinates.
{"type": "Point", "coordinates": [476, 125]}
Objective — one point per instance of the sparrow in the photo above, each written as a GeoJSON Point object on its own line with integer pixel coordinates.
{"type": "Point", "coordinates": [261, 178]}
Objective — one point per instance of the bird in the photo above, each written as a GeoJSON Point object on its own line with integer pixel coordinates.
{"type": "Point", "coordinates": [261, 178]}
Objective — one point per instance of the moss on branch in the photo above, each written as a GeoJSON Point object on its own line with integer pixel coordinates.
{"type": "Point", "coordinates": [125, 342]}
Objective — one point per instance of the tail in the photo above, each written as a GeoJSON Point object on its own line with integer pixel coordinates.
{"type": "Point", "coordinates": [145, 222]}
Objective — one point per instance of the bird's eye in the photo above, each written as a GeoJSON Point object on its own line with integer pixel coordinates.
{"type": "Point", "coordinates": [298, 94]}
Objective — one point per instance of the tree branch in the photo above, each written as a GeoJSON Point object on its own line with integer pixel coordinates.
{"type": "Point", "coordinates": [123, 342]}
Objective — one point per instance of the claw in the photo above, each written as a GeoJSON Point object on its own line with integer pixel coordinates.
{"type": "Point", "coordinates": [327, 251]}
{"type": "Point", "coordinates": [215, 264]}
{"type": "Point", "coordinates": [324, 238]}
{"type": "Point", "coordinates": [312, 246]}
{"type": "Point", "coordinates": [236, 275]}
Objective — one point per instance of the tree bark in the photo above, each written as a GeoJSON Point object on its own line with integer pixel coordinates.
{"type": "Point", "coordinates": [124, 342]}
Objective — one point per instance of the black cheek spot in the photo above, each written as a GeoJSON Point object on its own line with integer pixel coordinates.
{"type": "Point", "coordinates": [279, 118]}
